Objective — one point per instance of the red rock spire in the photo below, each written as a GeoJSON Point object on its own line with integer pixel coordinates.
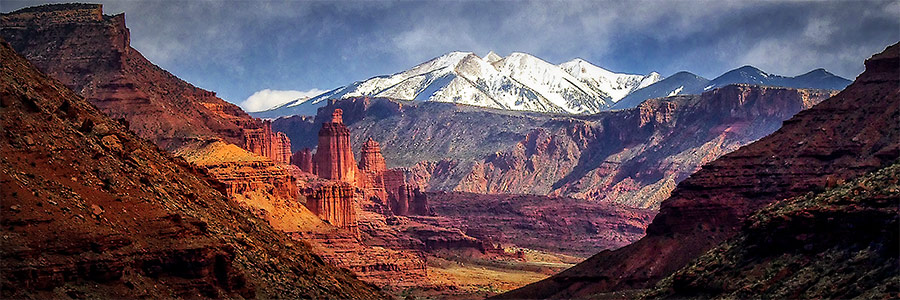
{"type": "Point", "coordinates": [371, 160]}
{"type": "Point", "coordinates": [334, 157]}
{"type": "Point", "coordinates": [337, 116]}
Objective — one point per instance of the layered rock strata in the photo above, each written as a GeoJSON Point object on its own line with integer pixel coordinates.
{"type": "Point", "coordinates": [852, 133]}
{"type": "Point", "coordinates": [370, 159]}
{"type": "Point", "coordinates": [335, 204]}
{"type": "Point", "coordinates": [90, 210]}
{"type": "Point", "coordinates": [91, 54]}
{"type": "Point", "coordinates": [303, 160]}
{"type": "Point", "coordinates": [838, 244]}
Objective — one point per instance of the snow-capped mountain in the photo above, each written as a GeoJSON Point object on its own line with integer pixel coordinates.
{"type": "Point", "coordinates": [526, 83]}
{"type": "Point", "coordinates": [681, 83]}
{"type": "Point", "coordinates": [684, 83]}
{"type": "Point", "coordinates": [615, 86]}
{"type": "Point", "coordinates": [516, 82]}
{"type": "Point", "coordinates": [553, 83]}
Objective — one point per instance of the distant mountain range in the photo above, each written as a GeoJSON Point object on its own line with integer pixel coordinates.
{"type": "Point", "coordinates": [685, 83]}
{"type": "Point", "coordinates": [526, 83]}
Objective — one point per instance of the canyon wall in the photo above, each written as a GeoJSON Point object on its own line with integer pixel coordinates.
{"type": "Point", "coordinates": [854, 132]}
{"type": "Point", "coordinates": [634, 157]}
{"type": "Point", "coordinates": [90, 210]}
{"type": "Point", "coordinates": [91, 54]}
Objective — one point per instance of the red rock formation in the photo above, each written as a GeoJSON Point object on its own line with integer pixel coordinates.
{"type": "Point", "coordinates": [852, 133]}
{"type": "Point", "coordinates": [334, 157]}
{"type": "Point", "coordinates": [370, 160]}
{"type": "Point", "coordinates": [242, 173]}
{"type": "Point", "coordinates": [273, 145]}
{"type": "Point", "coordinates": [335, 204]}
{"type": "Point", "coordinates": [418, 205]}
{"type": "Point", "coordinates": [634, 157]}
{"type": "Point", "coordinates": [393, 179]}
{"type": "Point", "coordinates": [400, 200]}
{"type": "Point", "coordinates": [91, 54]}
{"type": "Point", "coordinates": [90, 210]}
{"type": "Point", "coordinates": [303, 160]}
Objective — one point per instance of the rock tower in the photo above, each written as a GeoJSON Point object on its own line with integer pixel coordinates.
{"type": "Point", "coordinates": [334, 158]}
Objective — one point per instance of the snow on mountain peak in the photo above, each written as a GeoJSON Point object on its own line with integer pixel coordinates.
{"type": "Point", "coordinates": [614, 85]}
{"type": "Point", "coordinates": [492, 57]}
{"type": "Point", "coordinates": [519, 81]}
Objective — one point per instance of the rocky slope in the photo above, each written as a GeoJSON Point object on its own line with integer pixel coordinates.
{"type": "Point", "coordinates": [267, 189]}
{"type": "Point", "coordinates": [91, 54]}
{"type": "Point", "coordinates": [852, 133]}
{"type": "Point", "coordinates": [92, 211]}
{"type": "Point", "coordinates": [633, 157]}
{"type": "Point", "coordinates": [841, 243]}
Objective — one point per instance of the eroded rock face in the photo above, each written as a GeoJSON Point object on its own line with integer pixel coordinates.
{"type": "Point", "coordinates": [852, 133]}
{"type": "Point", "coordinates": [273, 145]}
{"type": "Point", "coordinates": [91, 54]}
{"type": "Point", "coordinates": [335, 204]}
{"type": "Point", "coordinates": [575, 227]}
{"type": "Point", "coordinates": [93, 211]}
{"type": "Point", "coordinates": [838, 244]}
{"type": "Point", "coordinates": [370, 158]}
{"type": "Point", "coordinates": [334, 157]}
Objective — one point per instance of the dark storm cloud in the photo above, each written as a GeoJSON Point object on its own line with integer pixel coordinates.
{"type": "Point", "coordinates": [238, 48]}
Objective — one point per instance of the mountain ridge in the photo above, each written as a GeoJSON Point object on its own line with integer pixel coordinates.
{"type": "Point", "coordinates": [523, 82]}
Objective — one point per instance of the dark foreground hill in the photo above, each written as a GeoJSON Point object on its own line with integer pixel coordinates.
{"type": "Point", "coordinates": [89, 210]}
{"type": "Point", "coordinates": [842, 243]}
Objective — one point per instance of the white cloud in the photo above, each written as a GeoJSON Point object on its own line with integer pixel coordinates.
{"type": "Point", "coordinates": [266, 99]}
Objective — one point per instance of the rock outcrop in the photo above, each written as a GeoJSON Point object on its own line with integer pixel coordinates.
{"type": "Point", "coordinates": [370, 159]}
{"type": "Point", "coordinates": [419, 203]}
{"type": "Point", "coordinates": [634, 157]}
{"type": "Point", "coordinates": [254, 182]}
{"type": "Point", "coordinates": [274, 145]}
{"type": "Point", "coordinates": [335, 204]}
{"type": "Point", "coordinates": [91, 54]}
{"type": "Point", "coordinates": [854, 132]}
{"type": "Point", "coordinates": [90, 210]}
{"type": "Point", "coordinates": [333, 159]}
{"type": "Point", "coordinates": [303, 160]}
{"type": "Point", "coordinates": [400, 200]}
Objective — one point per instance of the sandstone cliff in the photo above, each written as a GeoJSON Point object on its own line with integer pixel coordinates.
{"type": "Point", "coordinates": [273, 145]}
{"type": "Point", "coordinates": [91, 54]}
{"type": "Point", "coordinates": [634, 157]}
{"type": "Point", "coordinates": [303, 160]}
{"type": "Point", "coordinates": [92, 211]}
{"type": "Point", "coordinates": [335, 204]}
{"type": "Point", "coordinates": [852, 133]}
